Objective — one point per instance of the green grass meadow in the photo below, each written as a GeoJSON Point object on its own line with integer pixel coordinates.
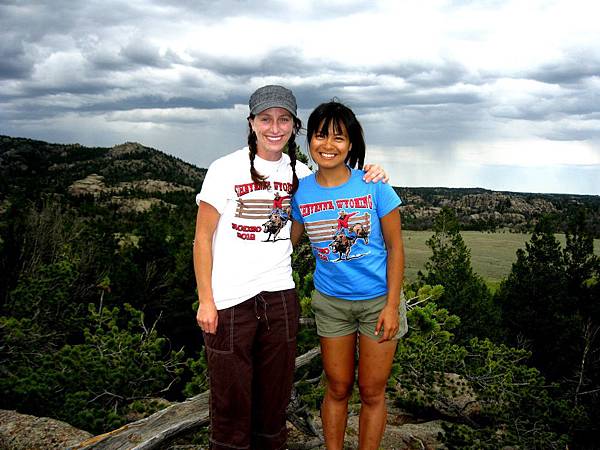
{"type": "Point", "coordinates": [492, 254]}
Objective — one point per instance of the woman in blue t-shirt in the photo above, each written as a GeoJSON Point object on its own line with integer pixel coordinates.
{"type": "Point", "coordinates": [355, 233]}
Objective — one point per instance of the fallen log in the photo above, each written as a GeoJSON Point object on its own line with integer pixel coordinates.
{"type": "Point", "coordinates": [151, 432]}
{"type": "Point", "coordinates": [164, 425]}
{"type": "Point", "coordinates": [307, 357]}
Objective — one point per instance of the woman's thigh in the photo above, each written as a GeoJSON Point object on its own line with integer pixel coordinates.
{"type": "Point", "coordinates": [338, 359]}
{"type": "Point", "coordinates": [374, 364]}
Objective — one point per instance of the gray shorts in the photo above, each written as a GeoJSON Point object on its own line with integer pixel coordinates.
{"type": "Point", "coordinates": [338, 317]}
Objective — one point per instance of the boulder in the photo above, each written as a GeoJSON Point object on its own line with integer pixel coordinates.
{"type": "Point", "coordinates": [423, 435]}
{"type": "Point", "coordinates": [92, 184]}
{"type": "Point", "coordinates": [21, 432]}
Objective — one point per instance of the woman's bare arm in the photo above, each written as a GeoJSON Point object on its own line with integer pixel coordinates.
{"type": "Point", "coordinates": [296, 233]}
{"type": "Point", "coordinates": [392, 234]}
{"type": "Point", "coordinates": [206, 224]}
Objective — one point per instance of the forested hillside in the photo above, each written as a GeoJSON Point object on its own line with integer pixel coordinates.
{"type": "Point", "coordinates": [97, 301]}
{"type": "Point", "coordinates": [485, 210]}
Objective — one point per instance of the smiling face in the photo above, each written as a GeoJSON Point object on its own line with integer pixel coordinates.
{"type": "Point", "coordinates": [329, 149]}
{"type": "Point", "coordinates": [346, 135]}
{"type": "Point", "coordinates": [273, 128]}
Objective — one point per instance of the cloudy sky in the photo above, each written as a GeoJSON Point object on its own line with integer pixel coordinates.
{"type": "Point", "coordinates": [502, 95]}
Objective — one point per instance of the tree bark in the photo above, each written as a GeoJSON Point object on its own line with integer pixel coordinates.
{"type": "Point", "coordinates": [162, 426]}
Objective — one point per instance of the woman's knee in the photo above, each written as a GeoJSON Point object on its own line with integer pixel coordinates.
{"type": "Point", "coordinates": [372, 393]}
{"type": "Point", "coordinates": [339, 390]}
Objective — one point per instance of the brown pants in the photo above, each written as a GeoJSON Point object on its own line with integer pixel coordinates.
{"type": "Point", "coordinates": [251, 369]}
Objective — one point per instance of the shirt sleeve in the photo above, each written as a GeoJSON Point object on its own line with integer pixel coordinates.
{"type": "Point", "coordinates": [214, 188]}
{"type": "Point", "coordinates": [387, 199]}
{"type": "Point", "coordinates": [302, 170]}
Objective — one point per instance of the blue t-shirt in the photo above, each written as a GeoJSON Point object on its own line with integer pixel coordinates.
{"type": "Point", "coordinates": [343, 226]}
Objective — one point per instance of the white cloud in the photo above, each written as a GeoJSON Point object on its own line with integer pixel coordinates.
{"type": "Point", "coordinates": [178, 115]}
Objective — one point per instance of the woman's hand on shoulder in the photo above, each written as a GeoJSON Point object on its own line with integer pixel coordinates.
{"type": "Point", "coordinates": [374, 173]}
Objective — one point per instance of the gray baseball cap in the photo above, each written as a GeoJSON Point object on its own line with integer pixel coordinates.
{"type": "Point", "coordinates": [272, 96]}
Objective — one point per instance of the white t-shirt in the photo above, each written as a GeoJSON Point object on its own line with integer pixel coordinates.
{"type": "Point", "coordinates": [247, 259]}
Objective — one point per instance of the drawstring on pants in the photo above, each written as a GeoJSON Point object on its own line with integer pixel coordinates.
{"type": "Point", "coordinates": [260, 298]}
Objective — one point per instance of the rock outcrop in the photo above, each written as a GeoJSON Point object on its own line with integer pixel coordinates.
{"type": "Point", "coordinates": [24, 432]}
{"type": "Point", "coordinates": [92, 184]}
{"type": "Point", "coordinates": [397, 436]}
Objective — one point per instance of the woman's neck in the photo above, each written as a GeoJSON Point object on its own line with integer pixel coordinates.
{"type": "Point", "coordinates": [333, 177]}
{"type": "Point", "coordinates": [270, 155]}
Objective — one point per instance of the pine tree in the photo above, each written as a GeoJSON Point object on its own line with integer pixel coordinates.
{"type": "Point", "coordinates": [551, 305]}
{"type": "Point", "coordinates": [465, 293]}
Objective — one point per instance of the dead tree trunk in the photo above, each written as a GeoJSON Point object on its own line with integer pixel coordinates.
{"type": "Point", "coordinates": [162, 426]}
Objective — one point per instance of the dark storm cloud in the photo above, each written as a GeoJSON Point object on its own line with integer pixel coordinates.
{"type": "Point", "coordinates": [578, 103]}
{"type": "Point", "coordinates": [210, 10]}
{"type": "Point", "coordinates": [32, 31]}
{"type": "Point", "coordinates": [279, 61]}
{"type": "Point", "coordinates": [375, 93]}
{"type": "Point", "coordinates": [143, 53]}
{"type": "Point", "coordinates": [386, 97]}
{"type": "Point", "coordinates": [573, 69]}
{"type": "Point", "coordinates": [576, 93]}
{"type": "Point", "coordinates": [69, 84]}
{"type": "Point", "coordinates": [155, 102]}
{"type": "Point", "coordinates": [137, 53]}
{"type": "Point", "coordinates": [422, 74]}
{"type": "Point", "coordinates": [36, 111]}
{"type": "Point", "coordinates": [571, 134]}
{"type": "Point", "coordinates": [14, 61]}
{"type": "Point", "coordinates": [34, 20]}
{"type": "Point", "coordinates": [418, 126]}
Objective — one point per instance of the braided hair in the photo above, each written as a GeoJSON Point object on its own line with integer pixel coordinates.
{"type": "Point", "coordinates": [291, 145]}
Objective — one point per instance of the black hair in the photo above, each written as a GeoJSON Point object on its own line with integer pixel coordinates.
{"type": "Point", "coordinates": [291, 145]}
{"type": "Point", "coordinates": [336, 114]}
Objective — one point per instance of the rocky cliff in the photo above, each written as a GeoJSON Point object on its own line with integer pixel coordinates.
{"type": "Point", "coordinates": [485, 210]}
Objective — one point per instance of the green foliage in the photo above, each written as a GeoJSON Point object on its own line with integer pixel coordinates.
{"type": "Point", "coordinates": [307, 339]}
{"type": "Point", "coordinates": [549, 297]}
{"type": "Point", "coordinates": [303, 265]}
{"type": "Point", "coordinates": [46, 297]}
{"type": "Point", "coordinates": [304, 285]}
{"type": "Point", "coordinates": [511, 404]}
{"type": "Point", "coordinates": [199, 380]}
{"type": "Point", "coordinates": [534, 303]}
{"type": "Point", "coordinates": [518, 407]}
{"type": "Point", "coordinates": [551, 304]}
{"type": "Point", "coordinates": [300, 155]}
{"type": "Point", "coordinates": [90, 384]}
{"type": "Point", "coordinates": [305, 307]}
{"type": "Point", "coordinates": [425, 352]}
{"type": "Point", "coordinates": [44, 243]}
{"type": "Point", "coordinates": [465, 293]}
{"type": "Point", "coordinates": [312, 395]}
